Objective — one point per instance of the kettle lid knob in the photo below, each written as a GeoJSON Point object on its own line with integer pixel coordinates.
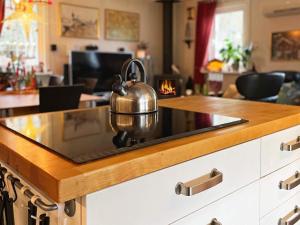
{"type": "Point", "coordinates": [133, 76]}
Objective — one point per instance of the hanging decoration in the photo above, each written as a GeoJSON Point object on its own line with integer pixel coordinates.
{"type": "Point", "coordinates": [25, 14]}
{"type": "Point", "coordinates": [49, 2]}
{"type": "Point", "coordinates": [189, 27]}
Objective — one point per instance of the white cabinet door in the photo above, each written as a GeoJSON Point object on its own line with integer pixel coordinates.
{"type": "Point", "coordinates": [272, 157]}
{"type": "Point", "coordinates": [287, 211]}
{"type": "Point", "coordinates": [151, 199]}
{"type": "Point", "coordinates": [272, 195]}
{"type": "Point", "coordinates": [239, 208]}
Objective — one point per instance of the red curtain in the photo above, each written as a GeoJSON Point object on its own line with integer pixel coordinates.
{"type": "Point", "coordinates": [205, 18]}
{"type": "Point", "coordinates": [2, 13]}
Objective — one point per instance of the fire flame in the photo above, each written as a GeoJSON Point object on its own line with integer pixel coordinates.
{"type": "Point", "coordinates": [166, 88]}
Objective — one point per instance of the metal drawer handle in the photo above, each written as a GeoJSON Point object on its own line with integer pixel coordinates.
{"type": "Point", "coordinates": [215, 222]}
{"type": "Point", "coordinates": [291, 182]}
{"type": "Point", "coordinates": [200, 184]}
{"type": "Point", "coordinates": [291, 146]}
{"type": "Point", "coordinates": [292, 218]}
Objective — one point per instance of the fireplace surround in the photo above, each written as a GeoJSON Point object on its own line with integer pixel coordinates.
{"type": "Point", "coordinates": [168, 85]}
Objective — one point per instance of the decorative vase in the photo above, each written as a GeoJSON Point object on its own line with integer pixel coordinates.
{"type": "Point", "coordinates": [235, 66]}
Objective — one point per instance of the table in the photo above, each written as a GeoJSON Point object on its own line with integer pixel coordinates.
{"type": "Point", "coordinates": [19, 100]}
{"type": "Point", "coordinates": [228, 79]}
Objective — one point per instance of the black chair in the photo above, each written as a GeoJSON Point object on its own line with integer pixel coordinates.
{"type": "Point", "coordinates": [58, 98]}
{"type": "Point", "coordinates": [290, 76]}
{"type": "Point", "coordinates": [260, 86]}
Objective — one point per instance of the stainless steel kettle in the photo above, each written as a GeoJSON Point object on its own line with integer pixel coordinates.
{"type": "Point", "coordinates": [133, 97]}
{"type": "Point", "coordinates": [133, 129]}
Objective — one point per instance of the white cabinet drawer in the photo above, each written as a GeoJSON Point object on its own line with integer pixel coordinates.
{"type": "Point", "coordinates": [272, 195]}
{"type": "Point", "coordinates": [151, 199]}
{"type": "Point", "coordinates": [272, 157]}
{"type": "Point", "coordinates": [239, 208]}
{"type": "Point", "coordinates": [281, 212]}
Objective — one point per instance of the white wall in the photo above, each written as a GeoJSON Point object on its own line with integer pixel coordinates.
{"type": "Point", "coordinates": [184, 56]}
{"type": "Point", "coordinates": [258, 30]}
{"type": "Point", "coordinates": [261, 30]}
{"type": "Point", "coordinates": [151, 31]}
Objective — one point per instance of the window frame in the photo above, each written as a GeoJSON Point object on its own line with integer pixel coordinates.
{"type": "Point", "coordinates": [233, 6]}
{"type": "Point", "coordinates": [43, 30]}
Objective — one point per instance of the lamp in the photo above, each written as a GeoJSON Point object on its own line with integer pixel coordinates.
{"type": "Point", "coordinates": [215, 66]}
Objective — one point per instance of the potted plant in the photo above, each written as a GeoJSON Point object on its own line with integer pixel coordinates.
{"type": "Point", "coordinates": [231, 54]}
{"type": "Point", "coordinates": [236, 55]}
{"type": "Point", "coordinates": [246, 56]}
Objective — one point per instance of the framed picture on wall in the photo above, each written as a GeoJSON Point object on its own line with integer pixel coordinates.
{"type": "Point", "coordinates": [286, 45]}
{"type": "Point", "coordinates": [122, 26]}
{"type": "Point", "coordinates": [79, 21]}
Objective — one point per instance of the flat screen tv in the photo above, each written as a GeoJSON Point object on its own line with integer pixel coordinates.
{"type": "Point", "coordinates": [102, 66]}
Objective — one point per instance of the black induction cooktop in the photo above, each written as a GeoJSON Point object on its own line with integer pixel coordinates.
{"type": "Point", "coordinates": [91, 134]}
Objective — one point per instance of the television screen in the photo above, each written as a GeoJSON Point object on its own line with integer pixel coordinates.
{"type": "Point", "coordinates": [97, 66]}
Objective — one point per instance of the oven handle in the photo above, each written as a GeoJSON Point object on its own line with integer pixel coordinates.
{"type": "Point", "coordinates": [200, 184]}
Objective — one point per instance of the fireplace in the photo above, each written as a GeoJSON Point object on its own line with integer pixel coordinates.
{"type": "Point", "coordinates": [168, 86]}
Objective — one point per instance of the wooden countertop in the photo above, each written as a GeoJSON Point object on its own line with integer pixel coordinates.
{"type": "Point", "coordinates": [21, 99]}
{"type": "Point", "coordinates": [62, 180]}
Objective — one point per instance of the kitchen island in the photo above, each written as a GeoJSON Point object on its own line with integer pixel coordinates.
{"type": "Point", "coordinates": [141, 186]}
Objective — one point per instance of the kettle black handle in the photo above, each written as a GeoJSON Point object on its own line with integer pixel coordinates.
{"type": "Point", "coordinates": [138, 63]}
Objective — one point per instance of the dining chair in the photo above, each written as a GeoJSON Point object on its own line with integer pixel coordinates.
{"type": "Point", "coordinates": [56, 98]}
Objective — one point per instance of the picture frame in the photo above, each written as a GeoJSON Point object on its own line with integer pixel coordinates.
{"type": "Point", "coordinates": [76, 21]}
{"type": "Point", "coordinates": [122, 25]}
{"type": "Point", "coordinates": [285, 45]}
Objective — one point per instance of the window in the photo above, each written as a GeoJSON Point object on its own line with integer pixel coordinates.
{"type": "Point", "coordinates": [227, 25]}
{"type": "Point", "coordinates": [13, 39]}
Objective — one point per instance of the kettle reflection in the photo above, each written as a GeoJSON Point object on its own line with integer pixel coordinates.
{"type": "Point", "coordinates": [132, 129]}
